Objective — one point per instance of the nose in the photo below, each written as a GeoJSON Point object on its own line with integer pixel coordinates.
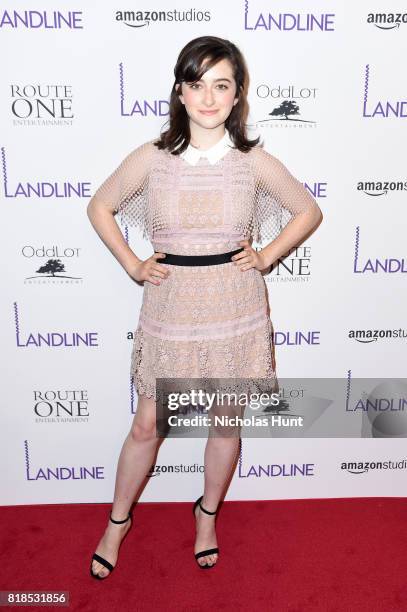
{"type": "Point", "coordinates": [208, 98]}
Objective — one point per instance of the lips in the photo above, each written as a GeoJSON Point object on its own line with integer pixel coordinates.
{"type": "Point", "coordinates": [208, 112]}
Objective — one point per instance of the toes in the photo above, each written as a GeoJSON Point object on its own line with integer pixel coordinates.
{"type": "Point", "coordinates": [211, 559]}
{"type": "Point", "coordinates": [98, 568]}
{"type": "Point", "coordinates": [208, 560]}
{"type": "Point", "coordinates": [201, 560]}
{"type": "Point", "coordinates": [103, 573]}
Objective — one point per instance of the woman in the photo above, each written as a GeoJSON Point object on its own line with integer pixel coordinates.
{"type": "Point", "coordinates": [200, 193]}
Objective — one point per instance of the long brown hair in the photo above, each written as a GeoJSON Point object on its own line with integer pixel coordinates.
{"type": "Point", "coordinates": [189, 68]}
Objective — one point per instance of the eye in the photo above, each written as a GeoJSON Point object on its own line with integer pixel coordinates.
{"type": "Point", "coordinates": [195, 85]}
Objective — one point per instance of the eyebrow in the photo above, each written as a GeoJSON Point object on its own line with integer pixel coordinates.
{"type": "Point", "coordinates": [215, 80]}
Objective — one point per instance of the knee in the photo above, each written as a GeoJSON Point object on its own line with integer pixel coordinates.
{"type": "Point", "coordinates": [143, 431]}
{"type": "Point", "coordinates": [224, 435]}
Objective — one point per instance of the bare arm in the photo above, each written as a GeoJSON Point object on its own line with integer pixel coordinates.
{"type": "Point", "coordinates": [300, 227]}
{"type": "Point", "coordinates": [102, 219]}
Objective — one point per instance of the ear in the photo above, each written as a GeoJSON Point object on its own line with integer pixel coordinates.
{"type": "Point", "coordinates": [237, 97]}
{"type": "Point", "coordinates": [178, 88]}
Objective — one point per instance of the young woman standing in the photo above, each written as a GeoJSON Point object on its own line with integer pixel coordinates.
{"type": "Point", "coordinates": [200, 193]}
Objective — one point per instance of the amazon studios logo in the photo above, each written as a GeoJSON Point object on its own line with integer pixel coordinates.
{"type": "Point", "coordinates": [387, 21]}
{"type": "Point", "coordinates": [363, 467]}
{"type": "Point", "coordinates": [142, 18]}
{"type": "Point", "coordinates": [375, 188]}
{"type": "Point", "coordinates": [156, 470]}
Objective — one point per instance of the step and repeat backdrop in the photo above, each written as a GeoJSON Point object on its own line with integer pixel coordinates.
{"type": "Point", "coordinates": [82, 86]}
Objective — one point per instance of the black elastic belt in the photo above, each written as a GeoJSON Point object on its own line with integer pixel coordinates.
{"type": "Point", "coordinates": [198, 260]}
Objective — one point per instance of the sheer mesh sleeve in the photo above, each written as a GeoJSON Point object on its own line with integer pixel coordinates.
{"type": "Point", "coordinates": [279, 196]}
{"type": "Point", "coordinates": [126, 189]}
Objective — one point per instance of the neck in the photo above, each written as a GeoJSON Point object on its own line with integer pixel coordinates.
{"type": "Point", "coordinates": [203, 138]}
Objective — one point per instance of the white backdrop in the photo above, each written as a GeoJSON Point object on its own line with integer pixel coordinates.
{"type": "Point", "coordinates": [105, 82]}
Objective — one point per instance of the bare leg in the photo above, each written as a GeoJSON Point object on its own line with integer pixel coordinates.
{"type": "Point", "coordinates": [135, 460]}
{"type": "Point", "coordinates": [220, 456]}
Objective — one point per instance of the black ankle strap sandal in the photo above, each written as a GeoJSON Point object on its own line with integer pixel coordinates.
{"type": "Point", "coordinates": [210, 551]}
{"type": "Point", "coordinates": [118, 522]}
{"type": "Point", "coordinates": [100, 559]}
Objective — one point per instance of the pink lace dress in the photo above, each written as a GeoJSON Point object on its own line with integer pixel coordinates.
{"type": "Point", "coordinates": [206, 322]}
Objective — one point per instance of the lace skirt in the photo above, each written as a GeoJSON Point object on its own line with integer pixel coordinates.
{"type": "Point", "coordinates": [205, 322]}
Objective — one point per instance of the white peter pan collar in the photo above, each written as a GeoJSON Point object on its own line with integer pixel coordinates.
{"type": "Point", "coordinates": [192, 155]}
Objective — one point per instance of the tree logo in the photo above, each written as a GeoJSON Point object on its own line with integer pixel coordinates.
{"type": "Point", "coordinates": [51, 269]}
{"type": "Point", "coordinates": [285, 112]}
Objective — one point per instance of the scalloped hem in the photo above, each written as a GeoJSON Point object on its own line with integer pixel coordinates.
{"type": "Point", "coordinates": [146, 386]}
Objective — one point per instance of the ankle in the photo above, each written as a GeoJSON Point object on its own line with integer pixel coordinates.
{"type": "Point", "coordinates": [117, 517]}
{"type": "Point", "coordinates": [210, 511]}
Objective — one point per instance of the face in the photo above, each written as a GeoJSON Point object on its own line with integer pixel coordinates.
{"type": "Point", "coordinates": [209, 102]}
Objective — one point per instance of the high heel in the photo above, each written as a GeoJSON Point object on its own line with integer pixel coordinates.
{"type": "Point", "coordinates": [210, 551]}
{"type": "Point", "coordinates": [100, 559]}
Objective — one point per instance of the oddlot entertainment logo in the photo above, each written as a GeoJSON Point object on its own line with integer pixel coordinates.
{"type": "Point", "coordinates": [47, 262]}
{"type": "Point", "coordinates": [280, 107]}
